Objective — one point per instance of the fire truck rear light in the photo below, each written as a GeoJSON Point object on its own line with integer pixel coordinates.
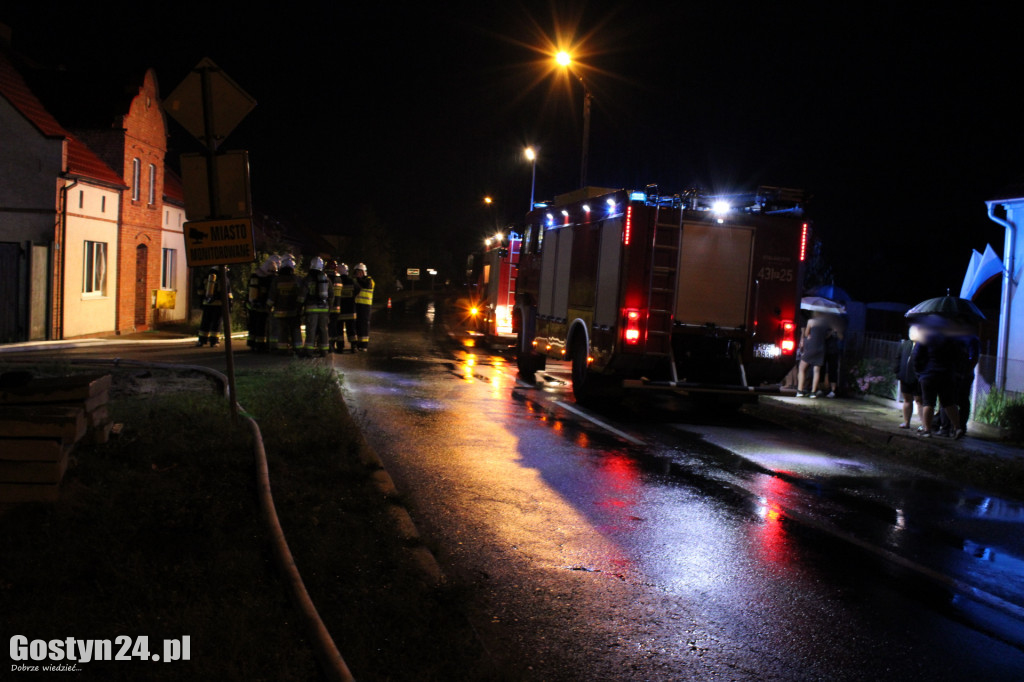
{"type": "Point", "coordinates": [631, 333]}
{"type": "Point", "coordinates": [628, 229]}
{"type": "Point", "coordinates": [788, 342]}
{"type": "Point", "coordinates": [803, 243]}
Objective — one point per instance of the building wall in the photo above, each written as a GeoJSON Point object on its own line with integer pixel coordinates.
{"type": "Point", "coordinates": [174, 241]}
{"type": "Point", "coordinates": [91, 216]}
{"type": "Point", "coordinates": [142, 219]}
{"type": "Point", "coordinates": [29, 166]}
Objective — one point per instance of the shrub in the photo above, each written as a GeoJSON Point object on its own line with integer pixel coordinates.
{"type": "Point", "coordinates": [873, 376]}
{"type": "Point", "coordinates": [1002, 408]}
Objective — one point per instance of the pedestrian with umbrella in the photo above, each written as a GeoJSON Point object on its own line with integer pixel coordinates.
{"type": "Point", "coordinates": [941, 358]}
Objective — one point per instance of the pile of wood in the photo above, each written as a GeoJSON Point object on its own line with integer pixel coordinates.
{"type": "Point", "coordinates": [41, 422]}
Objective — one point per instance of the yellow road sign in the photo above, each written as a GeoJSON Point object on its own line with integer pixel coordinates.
{"type": "Point", "coordinates": [216, 242]}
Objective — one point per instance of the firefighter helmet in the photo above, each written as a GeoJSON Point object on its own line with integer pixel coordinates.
{"type": "Point", "coordinates": [332, 266]}
{"type": "Point", "coordinates": [316, 263]}
{"type": "Point", "coordinates": [269, 265]}
{"type": "Point", "coordinates": [360, 266]}
{"type": "Point", "coordinates": [342, 269]}
{"type": "Point", "coordinates": [288, 262]}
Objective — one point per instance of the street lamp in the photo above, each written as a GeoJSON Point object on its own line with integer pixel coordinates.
{"type": "Point", "coordinates": [490, 205]}
{"type": "Point", "coordinates": [531, 156]}
{"type": "Point", "coordinates": [564, 59]}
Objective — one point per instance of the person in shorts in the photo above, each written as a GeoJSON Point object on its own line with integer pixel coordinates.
{"type": "Point", "coordinates": [910, 387]}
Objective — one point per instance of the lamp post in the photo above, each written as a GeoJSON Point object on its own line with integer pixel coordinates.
{"type": "Point", "coordinates": [531, 156]}
{"type": "Point", "coordinates": [565, 59]}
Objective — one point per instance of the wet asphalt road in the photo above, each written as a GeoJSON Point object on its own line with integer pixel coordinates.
{"type": "Point", "coordinates": [656, 544]}
{"type": "Point", "coordinates": [651, 543]}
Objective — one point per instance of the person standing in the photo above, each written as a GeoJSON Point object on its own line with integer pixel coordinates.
{"type": "Point", "coordinates": [910, 387]}
{"type": "Point", "coordinates": [259, 312]}
{"type": "Point", "coordinates": [213, 306]}
{"type": "Point", "coordinates": [285, 300]}
{"type": "Point", "coordinates": [319, 295]}
{"type": "Point", "coordinates": [346, 310]}
{"type": "Point", "coordinates": [363, 300]}
{"type": "Point", "coordinates": [968, 349]}
{"type": "Point", "coordinates": [833, 352]}
{"type": "Point", "coordinates": [935, 361]}
{"type": "Point", "coordinates": [812, 354]}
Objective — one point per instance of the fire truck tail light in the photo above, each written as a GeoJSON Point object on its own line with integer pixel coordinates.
{"type": "Point", "coordinates": [631, 333]}
{"type": "Point", "coordinates": [628, 229]}
{"type": "Point", "coordinates": [803, 243]}
{"type": "Point", "coordinates": [788, 343]}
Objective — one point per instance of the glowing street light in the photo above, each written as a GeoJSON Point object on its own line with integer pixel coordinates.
{"type": "Point", "coordinates": [564, 59]}
{"type": "Point", "coordinates": [490, 204]}
{"type": "Point", "coordinates": [531, 156]}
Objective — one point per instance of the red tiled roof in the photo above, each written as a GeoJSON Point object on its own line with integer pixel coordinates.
{"type": "Point", "coordinates": [14, 88]}
{"type": "Point", "coordinates": [173, 188]}
{"type": "Point", "coordinates": [81, 160]}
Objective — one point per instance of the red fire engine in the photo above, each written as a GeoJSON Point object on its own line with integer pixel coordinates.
{"type": "Point", "coordinates": [492, 273]}
{"type": "Point", "coordinates": [691, 293]}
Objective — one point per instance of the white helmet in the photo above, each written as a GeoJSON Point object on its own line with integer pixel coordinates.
{"type": "Point", "coordinates": [269, 265]}
{"type": "Point", "coordinates": [316, 263]}
{"type": "Point", "coordinates": [342, 269]}
{"type": "Point", "coordinates": [361, 266]}
{"type": "Point", "coordinates": [288, 262]}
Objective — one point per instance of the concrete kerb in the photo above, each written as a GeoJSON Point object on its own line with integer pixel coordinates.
{"type": "Point", "coordinates": [404, 524]}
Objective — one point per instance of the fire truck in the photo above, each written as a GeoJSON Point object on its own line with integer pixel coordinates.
{"type": "Point", "coordinates": [492, 274]}
{"type": "Point", "coordinates": [693, 294]}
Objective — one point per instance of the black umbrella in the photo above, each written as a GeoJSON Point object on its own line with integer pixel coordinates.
{"type": "Point", "coordinates": [950, 307]}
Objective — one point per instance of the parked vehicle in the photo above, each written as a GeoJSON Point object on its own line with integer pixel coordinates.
{"type": "Point", "coordinates": [690, 293]}
{"type": "Point", "coordinates": [491, 273]}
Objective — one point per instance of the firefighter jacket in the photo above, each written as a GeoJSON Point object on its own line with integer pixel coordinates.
{"type": "Point", "coordinates": [319, 294]}
{"type": "Point", "coordinates": [364, 290]}
{"type": "Point", "coordinates": [259, 289]}
{"type": "Point", "coordinates": [344, 297]}
{"type": "Point", "coordinates": [212, 289]}
{"type": "Point", "coordinates": [286, 295]}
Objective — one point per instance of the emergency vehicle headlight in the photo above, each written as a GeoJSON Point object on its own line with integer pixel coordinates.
{"type": "Point", "coordinates": [720, 207]}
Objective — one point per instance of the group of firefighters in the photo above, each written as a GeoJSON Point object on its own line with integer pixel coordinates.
{"type": "Point", "coordinates": [332, 304]}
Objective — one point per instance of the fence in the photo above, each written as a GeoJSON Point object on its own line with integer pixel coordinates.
{"type": "Point", "coordinates": [866, 352]}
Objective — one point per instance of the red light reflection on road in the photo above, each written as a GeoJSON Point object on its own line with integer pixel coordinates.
{"type": "Point", "coordinates": [771, 539]}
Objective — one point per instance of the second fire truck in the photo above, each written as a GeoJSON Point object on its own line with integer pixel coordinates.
{"type": "Point", "coordinates": [690, 293]}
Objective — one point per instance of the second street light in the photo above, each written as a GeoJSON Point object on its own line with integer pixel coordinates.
{"type": "Point", "coordinates": [531, 156]}
{"type": "Point", "coordinates": [565, 60]}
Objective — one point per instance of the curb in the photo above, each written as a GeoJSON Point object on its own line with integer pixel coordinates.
{"type": "Point", "coordinates": [404, 524]}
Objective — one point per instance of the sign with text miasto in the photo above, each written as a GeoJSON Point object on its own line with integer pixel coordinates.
{"type": "Point", "coordinates": [215, 242]}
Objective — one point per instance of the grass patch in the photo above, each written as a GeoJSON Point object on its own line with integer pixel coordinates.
{"type": "Point", "coordinates": [158, 533]}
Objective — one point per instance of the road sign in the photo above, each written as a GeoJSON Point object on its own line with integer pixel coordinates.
{"type": "Point", "coordinates": [214, 242]}
{"type": "Point", "coordinates": [412, 273]}
{"type": "Point", "coordinates": [232, 169]}
{"type": "Point", "coordinates": [228, 101]}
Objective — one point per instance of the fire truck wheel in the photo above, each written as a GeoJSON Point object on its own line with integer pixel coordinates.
{"type": "Point", "coordinates": [587, 387]}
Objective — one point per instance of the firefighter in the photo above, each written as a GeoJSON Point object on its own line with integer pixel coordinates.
{"type": "Point", "coordinates": [319, 296]}
{"type": "Point", "coordinates": [364, 299]}
{"type": "Point", "coordinates": [285, 300]}
{"type": "Point", "coordinates": [213, 316]}
{"type": "Point", "coordinates": [333, 325]}
{"type": "Point", "coordinates": [259, 312]}
{"type": "Point", "coordinates": [345, 304]}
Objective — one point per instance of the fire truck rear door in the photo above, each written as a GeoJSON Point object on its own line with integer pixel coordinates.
{"type": "Point", "coordinates": [715, 262]}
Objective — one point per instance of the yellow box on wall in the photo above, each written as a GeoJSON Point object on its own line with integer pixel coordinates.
{"type": "Point", "coordinates": [165, 298]}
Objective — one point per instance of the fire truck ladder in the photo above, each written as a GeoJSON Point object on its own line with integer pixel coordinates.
{"type": "Point", "coordinates": [661, 296]}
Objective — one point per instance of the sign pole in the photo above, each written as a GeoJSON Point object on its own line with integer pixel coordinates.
{"type": "Point", "coordinates": [211, 179]}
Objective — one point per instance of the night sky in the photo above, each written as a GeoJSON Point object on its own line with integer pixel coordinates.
{"type": "Point", "coordinates": [899, 123]}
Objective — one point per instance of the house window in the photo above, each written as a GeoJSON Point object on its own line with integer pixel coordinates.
{"type": "Point", "coordinates": [136, 178]}
{"type": "Point", "coordinates": [152, 184]}
{"type": "Point", "coordinates": [168, 271]}
{"type": "Point", "coordinates": [95, 268]}
{"type": "Point", "coordinates": [103, 204]}
{"type": "Point", "coordinates": [81, 198]}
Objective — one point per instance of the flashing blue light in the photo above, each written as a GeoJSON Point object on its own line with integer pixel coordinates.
{"type": "Point", "coordinates": [551, 219]}
{"type": "Point", "coordinates": [611, 204]}
{"type": "Point", "coordinates": [638, 196]}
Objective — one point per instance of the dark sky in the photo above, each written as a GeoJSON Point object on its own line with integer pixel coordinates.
{"type": "Point", "coordinates": [899, 123]}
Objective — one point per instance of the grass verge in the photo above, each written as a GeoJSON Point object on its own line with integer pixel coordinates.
{"type": "Point", "coordinates": [157, 533]}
